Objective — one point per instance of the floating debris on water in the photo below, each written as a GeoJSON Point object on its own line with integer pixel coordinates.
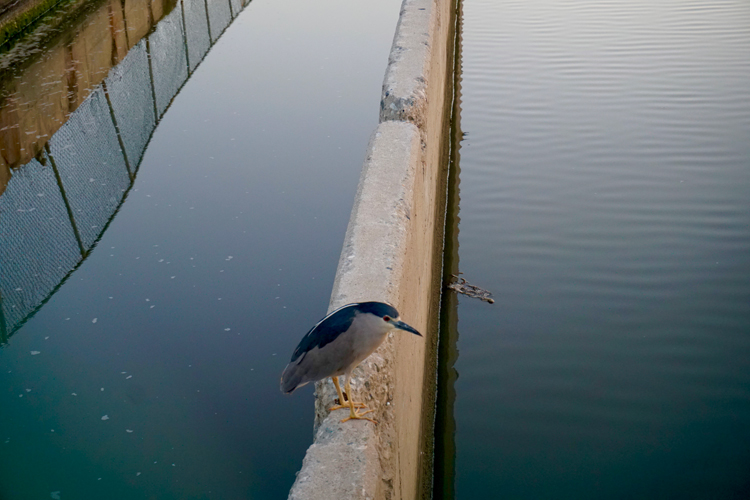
{"type": "Point", "coordinates": [34, 353]}
{"type": "Point", "coordinates": [105, 417]}
{"type": "Point", "coordinates": [466, 288]}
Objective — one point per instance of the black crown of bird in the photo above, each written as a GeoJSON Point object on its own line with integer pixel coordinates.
{"type": "Point", "coordinates": [337, 344]}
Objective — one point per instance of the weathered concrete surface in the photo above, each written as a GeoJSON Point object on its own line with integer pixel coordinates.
{"type": "Point", "coordinates": [392, 253]}
{"type": "Point", "coordinates": [344, 461]}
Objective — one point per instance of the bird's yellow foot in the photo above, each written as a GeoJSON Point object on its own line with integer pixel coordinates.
{"type": "Point", "coordinates": [343, 401]}
{"type": "Point", "coordinates": [345, 406]}
{"type": "Point", "coordinates": [355, 415]}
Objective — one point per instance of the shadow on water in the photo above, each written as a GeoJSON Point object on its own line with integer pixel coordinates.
{"type": "Point", "coordinates": [80, 98]}
{"type": "Point", "coordinates": [445, 424]}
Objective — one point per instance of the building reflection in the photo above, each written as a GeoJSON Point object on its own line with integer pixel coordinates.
{"type": "Point", "coordinates": [80, 98]}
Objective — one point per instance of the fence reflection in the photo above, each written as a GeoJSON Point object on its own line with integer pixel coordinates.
{"type": "Point", "coordinates": [57, 205]}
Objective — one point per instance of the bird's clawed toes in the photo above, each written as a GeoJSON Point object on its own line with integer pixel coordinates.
{"type": "Point", "coordinates": [355, 415]}
{"type": "Point", "coordinates": [345, 405]}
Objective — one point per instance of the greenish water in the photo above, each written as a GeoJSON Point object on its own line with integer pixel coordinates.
{"type": "Point", "coordinates": [604, 179]}
{"type": "Point", "coordinates": [152, 370]}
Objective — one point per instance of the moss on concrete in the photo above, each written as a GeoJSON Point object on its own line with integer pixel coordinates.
{"type": "Point", "coordinates": [22, 15]}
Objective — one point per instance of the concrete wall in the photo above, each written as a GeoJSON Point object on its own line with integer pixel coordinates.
{"type": "Point", "coordinates": [392, 253]}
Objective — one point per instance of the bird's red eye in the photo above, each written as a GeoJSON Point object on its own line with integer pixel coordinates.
{"type": "Point", "coordinates": [386, 318]}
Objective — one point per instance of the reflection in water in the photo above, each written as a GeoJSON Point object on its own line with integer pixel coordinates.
{"type": "Point", "coordinates": [445, 423]}
{"type": "Point", "coordinates": [75, 119]}
{"type": "Point", "coordinates": [604, 186]}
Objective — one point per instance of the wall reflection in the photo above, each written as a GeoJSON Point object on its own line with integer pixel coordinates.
{"type": "Point", "coordinates": [445, 422]}
{"type": "Point", "coordinates": [77, 110]}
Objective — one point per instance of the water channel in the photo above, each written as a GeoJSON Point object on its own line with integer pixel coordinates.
{"type": "Point", "coordinates": [182, 177]}
{"type": "Point", "coordinates": [602, 164]}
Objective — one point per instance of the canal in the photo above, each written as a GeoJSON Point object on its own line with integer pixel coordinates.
{"type": "Point", "coordinates": [179, 180]}
{"type": "Point", "coordinates": [600, 190]}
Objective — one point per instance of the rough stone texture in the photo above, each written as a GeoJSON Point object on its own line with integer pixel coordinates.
{"type": "Point", "coordinates": [392, 253]}
{"type": "Point", "coordinates": [417, 50]}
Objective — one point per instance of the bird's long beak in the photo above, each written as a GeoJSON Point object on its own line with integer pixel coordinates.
{"type": "Point", "coordinates": [403, 326]}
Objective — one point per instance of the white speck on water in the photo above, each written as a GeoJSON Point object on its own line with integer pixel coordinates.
{"type": "Point", "coordinates": [123, 373]}
{"type": "Point", "coordinates": [274, 354]}
{"type": "Point", "coordinates": [55, 495]}
{"type": "Point", "coordinates": [52, 430]}
{"type": "Point", "coordinates": [171, 277]}
{"type": "Point", "coordinates": [28, 390]}
{"type": "Point", "coordinates": [102, 389]}
{"type": "Point", "coordinates": [152, 307]}
{"type": "Point", "coordinates": [227, 329]}
{"type": "Point", "coordinates": [45, 338]}
{"type": "Point", "coordinates": [129, 431]}
{"type": "Point", "coordinates": [229, 257]}
{"type": "Point", "coordinates": [129, 376]}
{"type": "Point", "coordinates": [34, 353]}
{"type": "Point", "coordinates": [137, 473]}
{"type": "Point", "coordinates": [73, 394]}
{"type": "Point", "coordinates": [94, 320]}
{"type": "Point", "coordinates": [148, 300]}
{"type": "Point", "coordinates": [67, 319]}
{"type": "Point", "coordinates": [111, 297]}
{"type": "Point", "coordinates": [20, 395]}
{"type": "Point", "coordinates": [161, 260]}
{"type": "Point", "coordinates": [105, 417]}
{"type": "Point", "coordinates": [99, 479]}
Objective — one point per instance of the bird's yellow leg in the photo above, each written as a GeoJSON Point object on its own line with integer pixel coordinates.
{"type": "Point", "coordinates": [341, 404]}
{"type": "Point", "coordinates": [354, 414]}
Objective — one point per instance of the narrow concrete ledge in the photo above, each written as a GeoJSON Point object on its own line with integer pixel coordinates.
{"type": "Point", "coordinates": [418, 49]}
{"type": "Point", "coordinates": [344, 460]}
{"type": "Point", "coordinates": [391, 253]}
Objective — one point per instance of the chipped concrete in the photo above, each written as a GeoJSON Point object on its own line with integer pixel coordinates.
{"type": "Point", "coordinates": [392, 253]}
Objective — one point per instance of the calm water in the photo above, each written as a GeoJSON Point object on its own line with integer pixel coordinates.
{"type": "Point", "coordinates": [605, 200]}
{"type": "Point", "coordinates": [152, 370]}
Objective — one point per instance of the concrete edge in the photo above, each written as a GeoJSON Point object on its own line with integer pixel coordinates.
{"type": "Point", "coordinates": [343, 461]}
{"type": "Point", "coordinates": [392, 253]}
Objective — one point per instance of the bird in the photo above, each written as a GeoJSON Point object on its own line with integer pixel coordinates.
{"type": "Point", "coordinates": [337, 344]}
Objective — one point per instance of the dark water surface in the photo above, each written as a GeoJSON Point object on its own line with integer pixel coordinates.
{"type": "Point", "coordinates": [605, 200]}
{"type": "Point", "coordinates": [152, 371]}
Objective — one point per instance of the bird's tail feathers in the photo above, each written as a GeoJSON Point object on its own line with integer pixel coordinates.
{"type": "Point", "coordinates": [291, 378]}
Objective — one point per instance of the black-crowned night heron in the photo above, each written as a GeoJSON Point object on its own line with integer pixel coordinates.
{"type": "Point", "coordinates": [337, 344]}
